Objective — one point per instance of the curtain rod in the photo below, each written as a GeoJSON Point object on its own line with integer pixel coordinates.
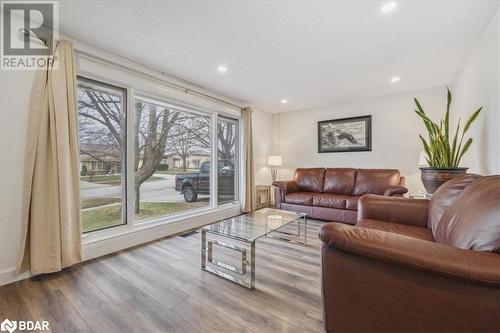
{"type": "Point", "coordinates": [28, 34]}
{"type": "Point", "coordinates": [170, 84]}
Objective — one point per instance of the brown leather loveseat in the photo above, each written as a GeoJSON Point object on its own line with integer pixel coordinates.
{"type": "Point", "coordinates": [332, 194]}
{"type": "Point", "coordinates": [413, 265]}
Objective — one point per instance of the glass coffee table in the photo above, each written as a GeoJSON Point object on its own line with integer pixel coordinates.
{"type": "Point", "coordinates": [238, 233]}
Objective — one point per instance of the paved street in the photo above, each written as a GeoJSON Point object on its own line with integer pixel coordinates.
{"type": "Point", "coordinates": [156, 190]}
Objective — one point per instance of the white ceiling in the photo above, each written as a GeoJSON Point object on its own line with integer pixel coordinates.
{"type": "Point", "coordinates": [312, 52]}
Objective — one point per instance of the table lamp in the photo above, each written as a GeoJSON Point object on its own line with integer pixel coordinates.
{"type": "Point", "coordinates": [274, 161]}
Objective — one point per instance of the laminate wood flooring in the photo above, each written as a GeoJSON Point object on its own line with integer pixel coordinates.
{"type": "Point", "coordinates": [159, 287]}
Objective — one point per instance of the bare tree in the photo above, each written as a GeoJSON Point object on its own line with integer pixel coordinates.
{"type": "Point", "coordinates": [101, 123]}
{"type": "Point", "coordinates": [190, 135]}
{"type": "Point", "coordinates": [156, 128]}
{"type": "Point", "coordinates": [153, 128]}
{"type": "Point", "coordinates": [226, 140]}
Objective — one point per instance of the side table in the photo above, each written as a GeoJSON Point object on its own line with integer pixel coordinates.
{"type": "Point", "coordinates": [263, 196]}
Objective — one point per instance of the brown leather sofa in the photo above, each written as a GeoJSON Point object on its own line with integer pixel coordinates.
{"type": "Point", "coordinates": [332, 194]}
{"type": "Point", "coordinates": [411, 265]}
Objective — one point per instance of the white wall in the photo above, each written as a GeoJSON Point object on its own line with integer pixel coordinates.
{"type": "Point", "coordinates": [478, 85]}
{"type": "Point", "coordinates": [395, 129]}
{"type": "Point", "coordinates": [15, 89]}
{"type": "Point", "coordinates": [262, 145]}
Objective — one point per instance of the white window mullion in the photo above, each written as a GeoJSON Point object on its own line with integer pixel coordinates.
{"type": "Point", "coordinates": [130, 157]}
{"type": "Point", "coordinates": [214, 195]}
{"type": "Point", "coordinates": [241, 189]}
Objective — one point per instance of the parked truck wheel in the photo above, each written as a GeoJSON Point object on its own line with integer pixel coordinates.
{"type": "Point", "coordinates": [190, 194]}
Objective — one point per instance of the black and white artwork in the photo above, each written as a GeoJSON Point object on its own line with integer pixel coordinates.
{"type": "Point", "coordinates": [345, 135]}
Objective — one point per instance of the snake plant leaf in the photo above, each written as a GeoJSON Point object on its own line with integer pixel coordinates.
{"type": "Point", "coordinates": [454, 150]}
{"type": "Point", "coordinates": [466, 148]}
{"type": "Point", "coordinates": [447, 115]}
{"type": "Point", "coordinates": [431, 127]}
{"type": "Point", "coordinates": [457, 156]}
{"type": "Point", "coordinates": [426, 147]}
{"type": "Point", "coordinates": [442, 153]}
{"type": "Point", "coordinates": [472, 119]}
{"type": "Point", "coordinates": [419, 107]}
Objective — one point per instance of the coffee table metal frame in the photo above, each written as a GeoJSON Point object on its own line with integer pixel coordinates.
{"type": "Point", "coordinates": [208, 257]}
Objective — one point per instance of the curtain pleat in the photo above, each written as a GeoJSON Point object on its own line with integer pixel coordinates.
{"type": "Point", "coordinates": [250, 193]}
{"type": "Point", "coordinates": [51, 206]}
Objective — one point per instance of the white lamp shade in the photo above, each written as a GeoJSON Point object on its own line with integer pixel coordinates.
{"type": "Point", "coordinates": [274, 160]}
{"type": "Point", "coordinates": [422, 160]}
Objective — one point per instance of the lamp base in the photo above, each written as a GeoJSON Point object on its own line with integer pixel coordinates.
{"type": "Point", "coordinates": [274, 174]}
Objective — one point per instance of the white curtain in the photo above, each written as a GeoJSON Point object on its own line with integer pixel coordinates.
{"type": "Point", "coordinates": [51, 205]}
{"type": "Point", "coordinates": [250, 193]}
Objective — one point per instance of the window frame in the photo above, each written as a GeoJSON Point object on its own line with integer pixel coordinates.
{"type": "Point", "coordinates": [124, 116]}
{"type": "Point", "coordinates": [158, 95]}
{"type": "Point", "coordinates": [212, 203]}
{"type": "Point", "coordinates": [237, 158]}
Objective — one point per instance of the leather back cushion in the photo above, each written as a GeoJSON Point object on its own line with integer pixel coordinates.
{"type": "Point", "coordinates": [339, 180]}
{"type": "Point", "coordinates": [309, 179]}
{"type": "Point", "coordinates": [445, 196]}
{"type": "Point", "coordinates": [375, 181]}
{"type": "Point", "coordinates": [473, 221]}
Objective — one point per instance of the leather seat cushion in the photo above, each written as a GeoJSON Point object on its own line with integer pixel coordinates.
{"type": "Point", "coordinates": [309, 179]}
{"type": "Point", "coordinates": [300, 198]}
{"type": "Point", "coordinates": [445, 196]}
{"type": "Point", "coordinates": [339, 180]}
{"type": "Point", "coordinates": [472, 222]}
{"type": "Point", "coordinates": [330, 200]}
{"type": "Point", "coordinates": [397, 228]}
{"type": "Point", "coordinates": [375, 181]}
{"type": "Point", "coordinates": [352, 202]}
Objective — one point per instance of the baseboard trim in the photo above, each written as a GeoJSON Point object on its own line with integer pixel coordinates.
{"type": "Point", "coordinates": [137, 237]}
{"type": "Point", "coordinates": [10, 275]}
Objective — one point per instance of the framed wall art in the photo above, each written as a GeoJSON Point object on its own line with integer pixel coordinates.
{"type": "Point", "coordinates": [345, 135]}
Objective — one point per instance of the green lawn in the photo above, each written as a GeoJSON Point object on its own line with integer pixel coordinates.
{"type": "Point", "coordinates": [108, 216]}
{"type": "Point", "coordinates": [111, 179]}
{"type": "Point", "coordinates": [90, 203]}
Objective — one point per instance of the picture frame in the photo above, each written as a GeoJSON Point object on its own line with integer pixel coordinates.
{"type": "Point", "coordinates": [345, 135]}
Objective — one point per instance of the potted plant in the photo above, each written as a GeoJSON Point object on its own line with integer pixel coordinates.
{"type": "Point", "coordinates": [443, 152]}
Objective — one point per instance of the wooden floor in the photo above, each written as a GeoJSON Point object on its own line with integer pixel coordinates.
{"type": "Point", "coordinates": [159, 287]}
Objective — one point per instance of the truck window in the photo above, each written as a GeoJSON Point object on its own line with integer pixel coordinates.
{"type": "Point", "coordinates": [205, 167]}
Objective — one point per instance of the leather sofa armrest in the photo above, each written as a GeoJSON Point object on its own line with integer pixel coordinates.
{"type": "Point", "coordinates": [393, 209]}
{"type": "Point", "coordinates": [285, 187]}
{"type": "Point", "coordinates": [395, 191]}
{"type": "Point", "coordinates": [472, 266]}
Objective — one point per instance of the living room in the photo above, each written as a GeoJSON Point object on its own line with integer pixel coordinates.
{"type": "Point", "coordinates": [216, 166]}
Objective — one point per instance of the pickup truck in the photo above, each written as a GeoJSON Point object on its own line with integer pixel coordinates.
{"type": "Point", "coordinates": [192, 184]}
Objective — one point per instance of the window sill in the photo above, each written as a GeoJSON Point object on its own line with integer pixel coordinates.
{"type": "Point", "coordinates": [107, 241]}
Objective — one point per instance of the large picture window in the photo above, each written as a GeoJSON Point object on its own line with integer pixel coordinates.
{"type": "Point", "coordinates": [101, 114]}
{"type": "Point", "coordinates": [227, 158]}
{"type": "Point", "coordinates": [172, 159]}
{"type": "Point", "coordinates": [169, 151]}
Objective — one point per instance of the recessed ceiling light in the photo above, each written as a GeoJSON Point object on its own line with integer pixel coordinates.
{"type": "Point", "coordinates": [222, 69]}
{"type": "Point", "coordinates": [395, 79]}
{"type": "Point", "coordinates": [284, 101]}
{"type": "Point", "coordinates": [388, 7]}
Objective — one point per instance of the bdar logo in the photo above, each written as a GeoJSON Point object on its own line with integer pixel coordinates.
{"type": "Point", "coordinates": [8, 325]}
